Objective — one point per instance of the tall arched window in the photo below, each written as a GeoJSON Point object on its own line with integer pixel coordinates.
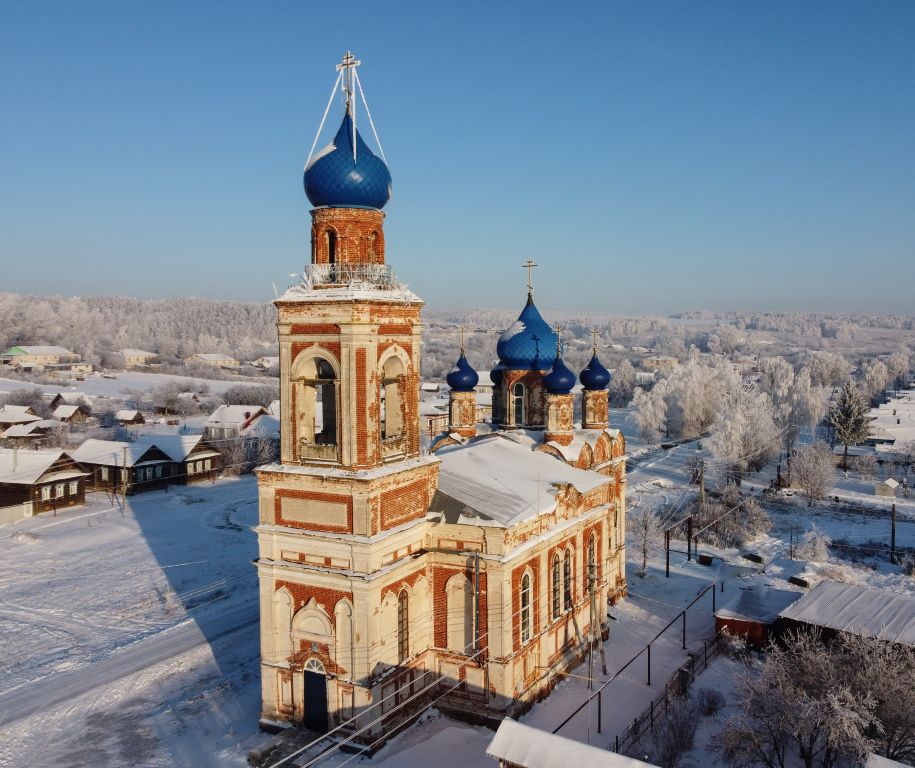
{"type": "Point", "coordinates": [525, 608]}
{"type": "Point", "coordinates": [315, 397]}
{"type": "Point", "coordinates": [392, 423]}
{"type": "Point", "coordinates": [518, 392]}
{"type": "Point", "coordinates": [592, 558]}
{"type": "Point", "coordinates": [331, 246]}
{"type": "Point", "coordinates": [567, 580]}
{"type": "Point", "coordinates": [557, 579]}
{"type": "Point", "coordinates": [403, 626]}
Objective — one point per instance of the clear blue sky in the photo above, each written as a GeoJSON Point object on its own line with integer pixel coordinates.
{"type": "Point", "coordinates": [650, 156]}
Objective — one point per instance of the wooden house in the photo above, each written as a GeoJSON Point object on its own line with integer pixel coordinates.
{"type": "Point", "coordinates": [118, 466]}
{"type": "Point", "coordinates": [48, 479]}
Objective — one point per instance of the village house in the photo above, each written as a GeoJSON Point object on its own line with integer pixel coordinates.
{"type": "Point", "coordinates": [229, 421]}
{"type": "Point", "coordinates": [69, 414]}
{"type": "Point", "coordinates": [128, 417]}
{"type": "Point", "coordinates": [31, 356]}
{"type": "Point", "coordinates": [213, 360]}
{"type": "Point", "coordinates": [138, 358]}
{"type": "Point", "coordinates": [70, 398]}
{"type": "Point", "coordinates": [11, 415]}
{"type": "Point", "coordinates": [46, 479]}
{"type": "Point", "coordinates": [659, 363]}
{"type": "Point", "coordinates": [33, 434]}
{"type": "Point", "coordinates": [266, 363]}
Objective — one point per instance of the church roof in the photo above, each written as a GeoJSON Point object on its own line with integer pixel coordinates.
{"type": "Point", "coordinates": [528, 343]}
{"type": "Point", "coordinates": [594, 376]}
{"type": "Point", "coordinates": [340, 177]}
{"type": "Point", "coordinates": [505, 482]}
{"type": "Point", "coordinates": [560, 380]}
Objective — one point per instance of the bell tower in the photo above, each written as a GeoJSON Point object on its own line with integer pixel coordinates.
{"type": "Point", "coordinates": [344, 507]}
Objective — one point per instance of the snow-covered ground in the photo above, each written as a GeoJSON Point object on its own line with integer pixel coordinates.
{"type": "Point", "coordinates": [130, 637]}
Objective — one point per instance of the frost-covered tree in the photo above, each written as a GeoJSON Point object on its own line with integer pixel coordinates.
{"type": "Point", "coordinates": [848, 418]}
{"type": "Point", "coordinates": [650, 411]}
{"type": "Point", "coordinates": [744, 435]}
{"type": "Point", "coordinates": [644, 526]}
{"type": "Point", "coordinates": [622, 385]}
{"type": "Point", "coordinates": [864, 465]}
{"type": "Point", "coordinates": [800, 701]}
{"type": "Point", "coordinates": [812, 468]}
{"type": "Point", "coordinates": [874, 377]}
{"type": "Point", "coordinates": [898, 367]}
{"type": "Point", "coordinates": [814, 546]}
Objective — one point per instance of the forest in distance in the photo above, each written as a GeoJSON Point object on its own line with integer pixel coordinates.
{"type": "Point", "coordinates": [97, 327]}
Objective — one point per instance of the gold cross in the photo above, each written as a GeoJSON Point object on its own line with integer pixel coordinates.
{"type": "Point", "coordinates": [529, 266]}
{"type": "Point", "coordinates": [558, 330]}
{"type": "Point", "coordinates": [594, 339]}
{"type": "Point", "coordinates": [462, 339]}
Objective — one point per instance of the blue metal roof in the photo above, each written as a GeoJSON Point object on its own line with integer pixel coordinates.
{"type": "Point", "coordinates": [594, 375]}
{"type": "Point", "coordinates": [462, 377]}
{"type": "Point", "coordinates": [334, 179]}
{"type": "Point", "coordinates": [560, 380]}
{"type": "Point", "coordinates": [529, 343]}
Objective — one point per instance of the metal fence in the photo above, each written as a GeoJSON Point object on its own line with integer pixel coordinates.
{"type": "Point", "coordinates": [678, 685]}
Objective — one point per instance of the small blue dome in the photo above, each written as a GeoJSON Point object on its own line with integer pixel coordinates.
{"type": "Point", "coordinates": [495, 375]}
{"type": "Point", "coordinates": [334, 179]}
{"type": "Point", "coordinates": [595, 376]}
{"type": "Point", "coordinates": [528, 343]}
{"type": "Point", "coordinates": [560, 380]}
{"type": "Point", "coordinates": [462, 377]}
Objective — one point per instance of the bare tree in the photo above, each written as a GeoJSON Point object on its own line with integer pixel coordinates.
{"type": "Point", "coordinates": [864, 465]}
{"type": "Point", "coordinates": [812, 469]}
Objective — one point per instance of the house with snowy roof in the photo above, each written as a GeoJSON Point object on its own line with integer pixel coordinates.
{"type": "Point", "coordinates": [29, 355]}
{"type": "Point", "coordinates": [46, 479]}
{"type": "Point", "coordinates": [214, 360]}
{"type": "Point", "coordinates": [137, 358]}
{"type": "Point", "coordinates": [230, 421]}
{"type": "Point", "coordinates": [11, 415]}
{"type": "Point", "coordinates": [482, 566]}
{"type": "Point", "coordinates": [128, 417]}
{"type": "Point", "coordinates": [69, 414]}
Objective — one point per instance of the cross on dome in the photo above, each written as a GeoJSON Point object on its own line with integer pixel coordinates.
{"type": "Point", "coordinates": [529, 266]}
{"type": "Point", "coordinates": [594, 339]}
{"type": "Point", "coordinates": [348, 68]}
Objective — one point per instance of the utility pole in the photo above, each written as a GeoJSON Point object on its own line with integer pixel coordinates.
{"type": "Point", "coordinates": [689, 538]}
{"type": "Point", "coordinates": [893, 537]}
{"type": "Point", "coordinates": [667, 553]}
{"type": "Point", "coordinates": [476, 602]}
{"type": "Point", "coordinates": [702, 486]}
{"type": "Point", "coordinates": [124, 482]}
{"type": "Point", "coordinates": [593, 611]}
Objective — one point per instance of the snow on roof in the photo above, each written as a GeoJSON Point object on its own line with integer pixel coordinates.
{"type": "Point", "coordinates": [19, 467]}
{"type": "Point", "coordinates": [214, 357]}
{"type": "Point", "coordinates": [109, 452]}
{"type": "Point", "coordinates": [265, 425]}
{"type": "Point", "coordinates": [64, 411]}
{"type": "Point", "coordinates": [506, 481]}
{"type": "Point", "coordinates": [757, 603]}
{"type": "Point", "coordinates": [126, 414]}
{"type": "Point", "coordinates": [16, 414]}
{"type": "Point", "coordinates": [431, 408]}
{"type": "Point", "coordinates": [859, 610]}
{"type": "Point", "coordinates": [889, 483]}
{"type": "Point", "coordinates": [878, 761]}
{"type": "Point", "coordinates": [274, 408]}
{"type": "Point", "coordinates": [71, 398]}
{"type": "Point", "coordinates": [31, 428]}
{"type": "Point", "coordinates": [523, 745]}
{"type": "Point", "coordinates": [129, 352]}
{"type": "Point", "coordinates": [234, 416]}
{"type": "Point", "coordinates": [42, 350]}
{"type": "Point", "coordinates": [176, 447]}
{"type": "Point", "coordinates": [356, 291]}
{"type": "Point", "coordinates": [430, 386]}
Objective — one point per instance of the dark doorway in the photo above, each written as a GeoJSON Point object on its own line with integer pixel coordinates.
{"type": "Point", "coordinates": [315, 702]}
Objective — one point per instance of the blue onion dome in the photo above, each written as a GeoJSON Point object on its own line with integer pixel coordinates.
{"type": "Point", "coordinates": [560, 380]}
{"type": "Point", "coordinates": [462, 377]}
{"type": "Point", "coordinates": [595, 376]}
{"type": "Point", "coordinates": [529, 342]}
{"type": "Point", "coordinates": [334, 179]}
{"type": "Point", "coordinates": [495, 375]}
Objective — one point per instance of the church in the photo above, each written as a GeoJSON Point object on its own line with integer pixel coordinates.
{"type": "Point", "coordinates": [391, 576]}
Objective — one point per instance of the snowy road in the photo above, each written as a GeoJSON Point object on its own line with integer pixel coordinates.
{"type": "Point", "coordinates": [56, 689]}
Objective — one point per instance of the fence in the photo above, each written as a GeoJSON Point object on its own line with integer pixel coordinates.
{"type": "Point", "coordinates": [678, 684]}
{"type": "Point", "coordinates": [15, 512]}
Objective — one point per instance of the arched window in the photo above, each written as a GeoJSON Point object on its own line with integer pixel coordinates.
{"type": "Point", "coordinates": [525, 608]}
{"type": "Point", "coordinates": [315, 383]}
{"type": "Point", "coordinates": [326, 392]}
{"type": "Point", "coordinates": [392, 421]}
{"type": "Point", "coordinates": [331, 246]}
{"type": "Point", "coordinates": [518, 392]}
{"type": "Point", "coordinates": [567, 580]}
{"type": "Point", "coordinates": [557, 579]}
{"type": "Point", "coordinates": [403, 626]}
{"type": "Point", "coordinates": [592, 557]}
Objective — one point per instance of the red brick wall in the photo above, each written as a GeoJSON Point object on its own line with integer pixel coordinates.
{"type": "Point", "coordinates": [302, 593]}
{"type": "Point", "coordinates": [362, 435]}
{"type": "Point", "coordinates": [440, 576]}
{"type": "Point", "coordinates": [407, 503]}
{"type": "Point", "coordinates": [315, 329]}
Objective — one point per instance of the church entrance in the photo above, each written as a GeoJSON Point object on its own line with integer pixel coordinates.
{"type": "Point", "coordinates": [315, 714]}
